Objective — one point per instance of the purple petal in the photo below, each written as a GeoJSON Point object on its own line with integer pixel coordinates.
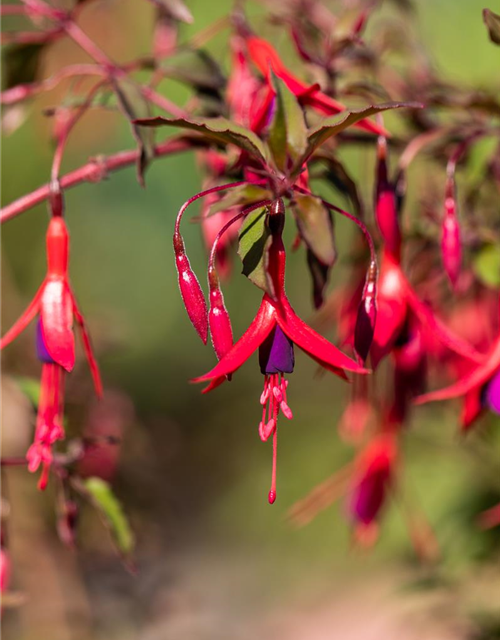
{"type": "Point", "coordinates": [41, 348]}
{"type": "Point", "coordinates": [368, 497]}
{"type": "Point", "coordinates": [492, 393]}
{"type": "Point", "coordinates": [276, 353]}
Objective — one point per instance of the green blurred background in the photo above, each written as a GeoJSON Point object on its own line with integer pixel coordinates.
{"type": "Point", "coordinates": [215, 560]}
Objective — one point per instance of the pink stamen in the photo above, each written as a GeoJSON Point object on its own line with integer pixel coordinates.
{"type": "Point", "coordinates": [274, 400]}
{"type": "Point", "coordinates": [272, 493]}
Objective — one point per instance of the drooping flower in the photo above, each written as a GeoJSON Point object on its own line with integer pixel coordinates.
{"type": "Point", "coordinates": [479, 388]}
{"type": "Point", "coordinates": [274, 332]}
{"type": "Point", "coordinates": [369, 485]}
{"type": "Point", "coordinates": [55, 306]}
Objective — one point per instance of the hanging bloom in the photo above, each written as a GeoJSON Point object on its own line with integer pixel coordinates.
{"type": "Point", "coordinates": [274, 331]}
{"type": "Point", "coordinates": [370, 482]}
{"type": "Point", "coordinates": [479, 388]}
{"type": "Point", "coordinates": [55, 305]}
{"type": "Point", "coordinates": [365, 483]}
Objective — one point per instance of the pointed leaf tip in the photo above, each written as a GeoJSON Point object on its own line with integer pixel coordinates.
{"type": "Point", "coordinates": [492, 22]}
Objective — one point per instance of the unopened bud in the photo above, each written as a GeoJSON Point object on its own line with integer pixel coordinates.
{"type": "Point", "coordinates": [190, 289]}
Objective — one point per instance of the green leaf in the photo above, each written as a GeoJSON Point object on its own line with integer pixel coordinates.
{"type": "Point", "coordinates": [288, 132]}
{"type": "Point", "coordinates": [175, 9]}
{"type": "Point", "coordinates": [31, 388]}
{"type": "Point", "coordinates": [492, 22]}
{"type": "Point", "coordinates": [315, 227]}
{"type": "Point", "coordinates": [254, 242]}
{"type": "Point", "coordinates": [194, 67]}
{"type": "Point", "coordinates": [240, 196]}
{"type": "Point", "coordinates": [338, 176]}
{"type": "Point", "coordinates": [21, 63]}
{"type": "Point", "coordinates": [135, 106]}
{"type": "Point", "coordinates": [336, 124]}
{"type": "Point", "coordinates": [217, 129]}
{"type": "Point", "coordinates": [319, 277]}
{"type": "Point", "coordinates": [486, 265]}
{"type": "Point", "coordinates": [104, 500]}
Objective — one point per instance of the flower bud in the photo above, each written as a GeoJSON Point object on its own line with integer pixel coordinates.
{"type": "Point", "coordinates": [451, 245]}
{"type": "Point", "coordinates": [218, 318]}
{"type": "Point", "coordinates": [191, 292]}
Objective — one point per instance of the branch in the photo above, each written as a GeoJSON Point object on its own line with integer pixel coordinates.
{"type": "Point", "coordinates": [94, 171]}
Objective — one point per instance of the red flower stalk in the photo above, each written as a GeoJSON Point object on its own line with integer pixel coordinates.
{"type": "Point", "coordinates": [56, 305]}
{"type": "Point", "coordinates": [266, 59]}
{"type": "Point", "coordinates": [274, 331]}
{"type": "Point", "coordinates": [479, 388]}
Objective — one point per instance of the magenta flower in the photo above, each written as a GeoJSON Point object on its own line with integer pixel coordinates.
{"type": "Point", "coordinates": [274, 331]}
{"type": "Point", "coordinates": [479, 388]}
{"type": "Point", "coordinates": [370, 483]}
{"type": "Point", "coordinates": [55, 306]}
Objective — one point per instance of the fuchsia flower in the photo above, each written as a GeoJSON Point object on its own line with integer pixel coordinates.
{"type": "Point", "coordinates": [479, 388]}
{"type": "Point", "coordinates": [369, 485]}
{"type": "Point", "coordinates": [366, 483]}
{"type": "Point", "coordinates": [56, 306]}
{"type": "Point", "coordinates": [266, 59]}
{"type": "Point", "coordinates": [274, 331]}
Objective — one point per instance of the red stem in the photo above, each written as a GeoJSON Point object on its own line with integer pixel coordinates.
{"type": "Point", "coordinates": [61, 143]}
{"type": "Point", "coordinates": [207, 192]}
{"type": "Point", "coordinates": [222, 231]}
{"type": "Point", "coordinates": [24, 91]}
{"type": "Point", "coordinates": [356, 221]}
{"type": "Point", "coordinates": [93, 171]}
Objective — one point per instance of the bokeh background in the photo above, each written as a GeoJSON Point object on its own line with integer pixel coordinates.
{"type": "Point", "coordinates": [214, 559]}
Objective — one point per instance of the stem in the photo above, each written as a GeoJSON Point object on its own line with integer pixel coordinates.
{"type": "Point", "coordinates": [24, 91]}
{"type": "Point", "coordinates": [418, 144]}
{"type": "Point", "coordinates": [222, 231]}
{"type": "Point", "coordinates": [89, 46]}
{"type": "Point", "coordinates": [31, 37]}
{"type": "Point", "coordinates": [164, 103]}
{"type": "Point", "coordinates": [207, 192]}
{"type": "Point", "coordinates": [61, 143]}
{"type": "Point", "coordinates": [459, 152]}
{"type": "Point", "coordinates": [114, 71]}
{"type": "Point", "coordinates": [356, 221]}
{"type": "Point", "coordinates": [94, 171]}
